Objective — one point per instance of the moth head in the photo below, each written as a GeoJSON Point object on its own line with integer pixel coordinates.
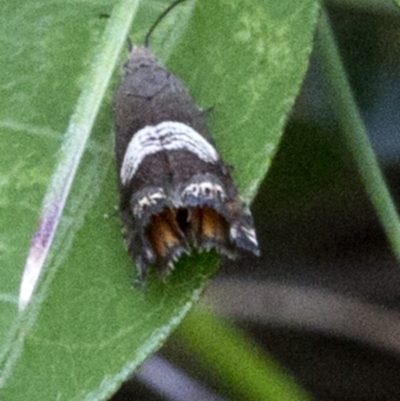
{"type": "Point", "coordinates": [140, 56]}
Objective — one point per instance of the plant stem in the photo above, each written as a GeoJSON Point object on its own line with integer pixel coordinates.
{"type": "Point", "coordinates": [247, 371]}
{"type": "Point", "coordinates": [355, 133]}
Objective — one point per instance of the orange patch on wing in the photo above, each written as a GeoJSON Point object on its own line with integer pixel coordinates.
{"type": "Point", "coordinates": [208, 224]}
{"type": "Point", "coordinates": [163, 233]}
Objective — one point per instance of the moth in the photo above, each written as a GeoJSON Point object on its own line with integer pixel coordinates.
{"type": "Point", "coordinates": [176, 192]}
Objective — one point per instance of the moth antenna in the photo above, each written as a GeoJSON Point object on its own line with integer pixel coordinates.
{"type": "Point", "coordinates": [158, 20]}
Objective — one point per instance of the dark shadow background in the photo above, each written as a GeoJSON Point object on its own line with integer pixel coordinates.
{"type": "Point", "coordinates": [318, 230]}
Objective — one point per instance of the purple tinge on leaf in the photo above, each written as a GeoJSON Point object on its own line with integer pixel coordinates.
{"type": "Point", "coordinates": [40, 245]}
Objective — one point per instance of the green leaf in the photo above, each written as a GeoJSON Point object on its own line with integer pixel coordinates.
{"type": "Point", "coordinates": [87, 328]}
{"type": "Point", "coordinates": [251, 60]}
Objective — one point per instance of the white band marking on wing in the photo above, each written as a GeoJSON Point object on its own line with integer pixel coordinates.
{"type": "Point", "coordinates": [166, 136]}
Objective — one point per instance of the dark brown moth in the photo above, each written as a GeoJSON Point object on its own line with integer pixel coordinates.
{"type": "Point", "coordinates": [176, 193]}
